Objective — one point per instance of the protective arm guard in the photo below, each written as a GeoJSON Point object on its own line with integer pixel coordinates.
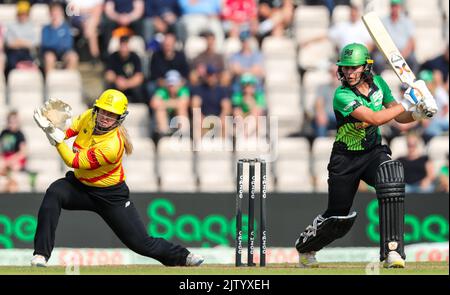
{"type": "Point", "coordinates": [390, 188]}
{"type": "Point", "coordinates": [323, 231]}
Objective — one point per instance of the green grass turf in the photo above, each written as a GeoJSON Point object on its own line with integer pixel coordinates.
{"type": "Point", "coordinates": [412, 268]}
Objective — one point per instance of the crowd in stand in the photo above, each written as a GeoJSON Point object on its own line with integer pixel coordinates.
{"type": "Point", "coordinates": [219, 83]}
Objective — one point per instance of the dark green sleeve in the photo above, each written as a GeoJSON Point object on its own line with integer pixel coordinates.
{"type": "Point", "coordinates": [184, 92]}
{"type": "Point", "coordinates": [237, 99]}
{"type": "Point", "coordinates": [260, 99]}
{"type": "Point", "coordinates": [387, 93]}
{"type": "Point", "coordinates": [345, 101]}
{"type": "Point", "coordinates": [161, 93]}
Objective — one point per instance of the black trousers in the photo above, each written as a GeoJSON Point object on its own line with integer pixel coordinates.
{"type": "Point", "coordinates": [114, 206]}
{"type": "Point", "coordinates": [345, 170]}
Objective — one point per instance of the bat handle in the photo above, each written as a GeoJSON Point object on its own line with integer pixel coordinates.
{"type": "Point", "coordinates": [413, 95]}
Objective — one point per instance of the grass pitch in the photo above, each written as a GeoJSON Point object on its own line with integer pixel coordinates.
{"type": "Point", "coordinates": [412, 268]}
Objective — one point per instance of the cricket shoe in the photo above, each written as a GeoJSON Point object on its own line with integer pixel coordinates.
{"type": "Point", "coordinates": [308, 260]}
{"type": "Point", "coordinates": [194, 259]}
{"type": "Point", "coordinates": [38, 261]}
{"type": "Point", "coordinates": [394, 260]}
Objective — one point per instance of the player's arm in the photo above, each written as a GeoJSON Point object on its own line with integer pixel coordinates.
{"type": "Point", "coordinates": [365, 114]}
{"type": "Point", "coordinates": [87, 159]}
{"type": "Point", "coordinates": [405, 117]}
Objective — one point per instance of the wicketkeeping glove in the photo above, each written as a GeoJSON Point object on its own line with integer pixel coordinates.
{"type": "Point", "coordinates": [57, 112]}
{"type": "Point", "coordinates": [54, 135]}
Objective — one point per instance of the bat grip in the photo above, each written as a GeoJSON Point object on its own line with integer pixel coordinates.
{"type": "Point", "coordinates": [413, 95]}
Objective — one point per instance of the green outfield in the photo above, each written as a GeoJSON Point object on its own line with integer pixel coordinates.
{"type": "Point", "coordinates": [413, 268]}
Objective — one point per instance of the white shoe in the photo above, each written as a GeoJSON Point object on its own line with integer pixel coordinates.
{"type": "Point", "coordinates": [308, 260]}
{"type": "Point", "coordinates": [194, 259]}
{"type": "Point", "coordinates": [394, 260]}
{"type": "Point", "coordinates": [38, 261]}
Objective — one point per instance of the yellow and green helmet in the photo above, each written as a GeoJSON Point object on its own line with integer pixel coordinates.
{"type": "Point", "coordinates": [354, 54]}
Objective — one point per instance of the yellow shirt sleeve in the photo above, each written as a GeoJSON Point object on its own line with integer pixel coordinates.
{"type": "Point", "coordinates": [92, 158]}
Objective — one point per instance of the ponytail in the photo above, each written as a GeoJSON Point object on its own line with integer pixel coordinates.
{"type": "Point", "coordinates": [126, 140]}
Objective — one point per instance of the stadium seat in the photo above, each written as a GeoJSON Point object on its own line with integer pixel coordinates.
{"type": "Point", "coordinates": [392, 80]}
{"type": "Point", "coordinates": [313, 55]}
{"type": "Point", "coordinates": [214, 166]}
{"type": "Point", "coordinates": [2, 91]}
{"type": "Point", "coordinates": [292, 166]}
{"type": "Point", "coordinates": [25, 88]}
{"type": "Point", "coordinates": [233, 45]}
{"type": "Point", "coordinates": [437, 149]}
{"type": "Point", "coordinates": [321, 151]}
{"type": "Point", "coordinates": [40, 14]}
{"type": "Point", "coordinates": [175, 165]}
{"type": "Point", "coordinates": [194, 46]}
{"type": "Point", "coordinates": [278, 47]}
{"type": "Point", "coordinates": [341, 13]}
{"type": "Point", "coordinates": [430, 42]}
{"type": "Point", "coordinates": [311, 16]}
{"type": "Point", "coordinates": [138, 115]}
{"type": "Point", "coordinates": [8, 13]}
{"type": "Point", "coordinates": [140, 173]}
{"type": "Point", "coordinates": [65, 85]}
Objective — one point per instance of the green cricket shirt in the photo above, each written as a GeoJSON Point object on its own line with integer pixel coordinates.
{"type": "Point", "coordinates": [352, 134]}
{"type": "Point", "coordinates": [238, 101]}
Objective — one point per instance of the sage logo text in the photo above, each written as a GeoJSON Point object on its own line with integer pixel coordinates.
{"type": "Point", "coordinates": [21, 229]}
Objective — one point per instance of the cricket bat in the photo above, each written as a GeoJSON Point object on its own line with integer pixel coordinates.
{"type": "Point", "coordinates": [385, 45]}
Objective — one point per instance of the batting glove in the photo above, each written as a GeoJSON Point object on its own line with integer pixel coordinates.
{"type": "Point", "coordinates": [425, 100]}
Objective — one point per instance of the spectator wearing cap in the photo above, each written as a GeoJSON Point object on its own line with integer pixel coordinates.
{"type": "Point", "coordinates": [247, 60]}
{"type": "Point", "coordinates": [124, 72]}
{"type": "Point", "coordinates": [168, 58]}
{"type": "Point", "coordinates": [123, 13]}
{"type": "Point", "coordinates": [402, 30]}
{"type": "Point", "coordinates": [208, 57]}
{"type": "Point", "coordinates": [200, 14]}
{"type": "Point", "coordinates": [170, 100]}
{"type": "Point", "coordinates": [249, 102]}
{"type": "Point", "coordinates": [211, 99]}
{"type": "Point", "coordinates": [21, 40]}
{"type": "Point", "coordinates": [57, 41]}
{"type": "Point", "coordinates": [13, 151]}
{"type": "Point", "coordinates": [439, 124]}
{"type": "Point", "coordinates": [161, 16]}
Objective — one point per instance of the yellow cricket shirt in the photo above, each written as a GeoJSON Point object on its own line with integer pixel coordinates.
{"type": "Point", "coordinates": [96, 159]}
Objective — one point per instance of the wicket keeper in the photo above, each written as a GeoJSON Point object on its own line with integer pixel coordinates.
{"type": "Point", "coordinates": [98, 184]}
{"type": "Point", "coordinates": [362, 104]}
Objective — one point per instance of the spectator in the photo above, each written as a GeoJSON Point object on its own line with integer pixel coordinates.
{"type": "Point", "coordinates": [161, 16]}
{"type": "Point", "coordinates": [274, 16]}
{"type": "Point", "coordinates": [346, 32]}
{"type": "Point", "coordinates": [439, 67]}
{"type": "Point", "coordinates": [170, 100]}
{"type": "Point", "coordinates": [439, 123]}
{"type": "Point", "coordinates": [21, 40]}
{"type": "Point", "coordinates": [86, 17]}
{"type": "Point", "coordinates": [208, 57]}
{"type": "Point", "coordinates": [196, 15]}
{"type": "Point", "coordinates": [124, 72]}
{"type": "Point", "coordinates": [246, 61]}
{"type": "Point", "coordinates": [249, 102]}
{"type": "Point", "coordinates": [443, 178]}
{"type": "Point", "coordinates": [13, 151]}
{"type": "Point", "coordinates": [324, 117]}
{"type": "Point", "coordinates": [212, 100]}
{"type": "Point", "coordinates": [122, 13]}
{"type": "Point", "coordinates": [238, 16]}
{"type": "Point", "coordinates": [168, 58]}
{"type": "Point", "coordinates": [419, 170]}
{"type": "Point", "coordinates": [57, 41]}
{"type": "Point", "coordinates": [401, 29]}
